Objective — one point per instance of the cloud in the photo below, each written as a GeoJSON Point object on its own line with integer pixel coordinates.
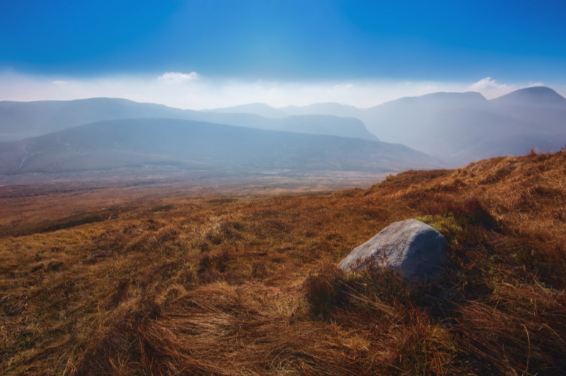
{"type": "Point", "coordinates": [484, 84]}
{"type": "Point", "coordinates": [177, 77]}
{"type": "Point", "coordinates": [490, 88]}
{"type": "Point", "coordinates": [203, 92]}
{"type": "Point", "coordinates": [207, 92]}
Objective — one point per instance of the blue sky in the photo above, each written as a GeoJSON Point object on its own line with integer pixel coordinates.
{"type": "Point", "coordinates": [513, 42]}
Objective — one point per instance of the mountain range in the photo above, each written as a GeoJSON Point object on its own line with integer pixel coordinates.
{"type": "Point", "coordinates": [173, 145]}
{"type": "Point", "coordinates": [413, 132]}
{"type": "Point", "coordinates": [25, 119]}
{"type": "Point", "coordinates": [459, 127]}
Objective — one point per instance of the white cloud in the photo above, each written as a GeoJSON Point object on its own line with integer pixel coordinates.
{"type": "Point", "coordinates": [341, 87]}
{"type": "Point", "coordinates": [177, 77]}
{"type": "Point", "coordinates": [484, 84]}
{"type": "Point", "coordinates": [205, 92]}
{"type": "Point", "coordinates": [490, 88]}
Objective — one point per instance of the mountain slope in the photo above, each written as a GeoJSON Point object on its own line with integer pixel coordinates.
{"type": "Point", "coordinates": [335, 109]}
{"type": "Point", "coordinates": [25, 119]}
{"type": "Point", "coordinates": [181, 144]}
{"type": "Point", "coordinates": [463, 127]}
{"type": "Point", "coordinates": [456, 127]}
{"type": "Point", "coordinates": [260, 109]}
{"type": "Point", "coordinates": [532, 96]}
{"type": "Point", "coordinates": [541, 106]}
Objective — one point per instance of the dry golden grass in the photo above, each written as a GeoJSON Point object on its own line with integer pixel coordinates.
{"type": "Point", "coordinates": [193, 283]}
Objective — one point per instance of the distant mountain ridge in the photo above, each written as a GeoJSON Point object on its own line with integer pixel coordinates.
{"type": "Point", "coordinates": [532, 96]}
{"type": "Point", "coordinates": [171, 144]}
{"type": "Point", "coordinates": [329, 108]}
{"type": "Point", "coordinates": [464, 127]}
{"type": "Point", "coordinates": [260, 109]}
{"type": "Point", "coordinates": [25, 119]}
{"type": "Point", "coordinates": [456, 127]}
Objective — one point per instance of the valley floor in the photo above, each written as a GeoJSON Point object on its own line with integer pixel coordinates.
{"type": "Point", "coordinates": [170, 278]}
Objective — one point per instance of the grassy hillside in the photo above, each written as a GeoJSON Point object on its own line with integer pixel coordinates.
{"type": "Point", "coordinates": [174, 284]}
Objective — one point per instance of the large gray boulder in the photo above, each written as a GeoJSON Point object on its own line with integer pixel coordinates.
{"type": "Point", "coordinates": [411, 248]}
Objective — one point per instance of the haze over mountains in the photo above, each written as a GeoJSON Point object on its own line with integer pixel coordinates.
{"type": "Point", "coordinates": [460, 127]}
{"type": "Point", "coordinates": [171, 144]}
{"type": "Point", "coordinates": [25, 119]}
{"type": "Point", "coordinates": [463, 127]}
{"type": "Point", "coordinates": [262, 109]}
{"type": "Point", "coordinates": [414, 132]}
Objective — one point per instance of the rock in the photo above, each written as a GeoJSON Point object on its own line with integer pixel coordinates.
{"type": "Point", "coordinates": [411, 248]}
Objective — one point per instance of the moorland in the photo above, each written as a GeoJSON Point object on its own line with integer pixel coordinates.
{"type": "Point", "coordinates": [154, 278]}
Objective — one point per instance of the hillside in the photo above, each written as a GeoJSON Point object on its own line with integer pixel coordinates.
{"type": "Point", "coordinates": [541, 106]}
{"type": "Point", "coordinates": [169, 144]}
{"type": "Point", "coordinates": [169, 282]}
{"type": "Point", "coordinates": [260, 109]}
{"type": "Point", "coordinates": [455, 127]}
{"type": "Point", "coordinates": [335, 109]}
{"type": "Point", "coordinates": [541, 96]}
{"type": "Point", "coordinates": [462, 127]}
{"type": "Point", "coordinates": [25, 119]}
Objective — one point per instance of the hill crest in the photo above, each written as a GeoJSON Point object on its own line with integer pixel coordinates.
{"type": "Point", "coordinates": [532, 96]}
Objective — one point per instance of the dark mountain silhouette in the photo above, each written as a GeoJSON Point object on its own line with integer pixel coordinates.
{"type": "Point", "coordinates": [171, 144]}
{"type": "Point", "coordinates": [24, 119]}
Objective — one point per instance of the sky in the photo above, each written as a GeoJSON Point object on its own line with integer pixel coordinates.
{"type": "Point", "coordinates": [214, 53]}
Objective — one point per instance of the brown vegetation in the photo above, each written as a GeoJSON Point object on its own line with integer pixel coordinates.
{"type": "Point", "coordinates": [202, 285]}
